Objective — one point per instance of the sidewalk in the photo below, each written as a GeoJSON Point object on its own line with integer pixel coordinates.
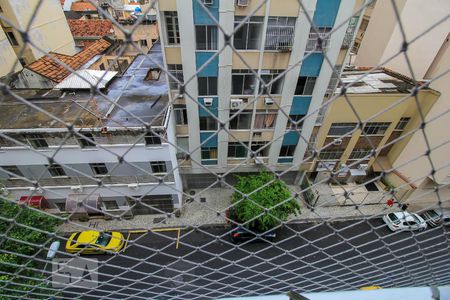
{"type": "Point", "coordinates": [206, 206]}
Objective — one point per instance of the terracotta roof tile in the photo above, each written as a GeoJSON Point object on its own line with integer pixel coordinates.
{"type": "Point", "coordinates": [90, 28]}
{"type": "Point", "coordinates": [52, 70]}
{"type": "Point", "coordinates": [83, 6]}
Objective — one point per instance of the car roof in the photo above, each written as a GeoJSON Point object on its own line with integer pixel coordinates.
{"type": "Point", "coordinates": [88, 236]}
{"type": "Point", "coordinates": [404, 215]}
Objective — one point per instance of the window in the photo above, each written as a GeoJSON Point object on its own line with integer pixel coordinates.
{"type": "Point", "coordinates": [258, 147]}
{"type": "Point", "coordinates": [152, 139]}
{"type": "Point", "coordinates": [177, 72]}
{"type": "Point", "coordinates": [56, 170]}
{"type": "Point", "coordinates": [13, 169]}
{"type": "Point", "coordinates": [61, 206]}
{"type": "Point", "coordinates": [12, 38]}
{"type": "Point", "coordinates": [158, 166]}
{"type": "Point", "coordinates": [183, 143]}
{"type": "Point", "coordinates": [110, 204]}
{"type": "Point", "coordinates": [102, 67]}
{"type": "Point", "coordinates": [23, 61]}
{"type": "Point", "coordinates": [287, 150]}
{"type": "Point", "coordinates": [267, 76]}
{"type": "Point", "coordinates": [143, 43]}
{"type": "Point", "coordinates": [330, 154]}
{"type": "Point", "coordinates": [402, 123]}
{"type": "Point", "coordinates": [313, 43]}
{"type": "Point", "coordinates": [208, 123]}
{"type": "Point", "coordinates": [241, 121]}
{"type": "Point", "coordinates": [264, 120]}
{"type": "Point", "coordinates": [99, 169]}
{"type": "Point", "coordinates": [84, 143]}
{"type": "Point", "coordinates": [207, 86]}
{"type": "Point", "coordinates": [209, 153]}
{"type": "Point", "coordinates": [37, 141]}
{"type": "Point", "coordinates": [305, 85]}
{"type": "Point", "coordinates": [206, 37]}
{"type": "Point", "coordinates": [248, 36]}
{"type": "Point", "coordinates": [376, 128]}
{"type": "Point", "coordinates": [243, 82]}
{"type": "Point", "coordinates": [280, 33]}
{"type": "Point", "coordinates": [173, 31]}
{"type": "Point", "coordinates": [341, 128]}
{"type": "Point", "coordinates": [180, 114]}
{"type": "Point", "coordinates": [294, 119]}
{"type": "Point", "coordinates": [360, 153]}
{"type": "Point", "coordinates": [237, 150]}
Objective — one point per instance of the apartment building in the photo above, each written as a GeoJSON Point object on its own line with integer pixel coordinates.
{"type": "Point", "coordinates": [48, 31]}
{"type": "Point", "coordinates": [275, 37]}
{"type": "Point", "coordinates": [429, 56]}
{"type": "Point", "coordinates": [108, 160]}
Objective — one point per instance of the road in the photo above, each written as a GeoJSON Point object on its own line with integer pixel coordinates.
{"type": "Point", "coordinates": [305, 257]}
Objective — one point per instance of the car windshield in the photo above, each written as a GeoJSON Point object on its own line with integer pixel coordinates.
{"type": "Point", "coordinates": [75, 238]}
{"type": "Point", "coordinates": [103, 239]}
{"type": "Point", "coordinates": [433, 214]}
{"type": "Point", "coordinates": [416, 219]}
{"type": "Point", "coordinates": [393, 217]}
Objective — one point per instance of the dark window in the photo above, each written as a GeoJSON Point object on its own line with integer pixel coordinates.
{"type": "Point", "coordinates": [158, 166]}
{"type": "Point", "coordinates": [241, 121]}
{"type": "Point", "coordinates": [208, 123]}
{"type": "Point", "coordinates": [294, 119]}
{"type": "Point", "coordinates": [280, 33]}
{"type": "Point", "coordinates": [12, 38]}
{"type": "Point", "coordinates": [180, 114]}
{"type": "Point", "coordinates": [23, 61]}
{"type": "Point", "coordinates": [173, 32]}
{"type": "Point", "coordinates": [206, 37]}
{"type": "Point", "coordinates": [152, 139]}
{"type": "Point", "coordinates": [287, 150]}
{"type": "Point", "coordinates": [305, 85]}
{"type": "Point", "coordinates": [110, 204]}
{"type": "Point", "coordinates": [260, 148]}
{"type": "Point", "coordinates": [243, 82]}
{"type": "Point", "coordinates": [177, 72]}
{"type": "Point", "coordinates": [237, 150]}
{"type": "Point", "coordinates": [248, 36]}
{"type": "Point", "coordinates": [37, 140]}
{"type": "Point", "coordinates": [143, 43]}
{"type": "Point", "coordinates": [209, 153]}
{"type": "Point", "coordinates": [316, 45]}
{"type": "Point", "coordinates": [360, 153]}
{"type": "Point", "coordinates": [402, 123]}
{"type": "Point", "coordinates": [207, 86]}
{"type": "Point", "coordinates": [264, 120]}
{"type": "Point", "coordinates": [267, 76]}
{"type": "Point", "coordinates": [376, 128]}
{"type": "Point", "coordinates": [331, 154]}
{"type": "Point", "coordinates": [341, 128]}
{"type": "Point", "coordinates": [84, 143]}
{"type": "Point", "coordinates": [14, 170]}
{"type": "Point", "coordinates": [56, 170]}
{"type": "Point", "coordinates": [102, 67]}
{"type": "Point", "coordinates": [99, 168]}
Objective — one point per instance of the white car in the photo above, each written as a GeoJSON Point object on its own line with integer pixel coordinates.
{"type": "Point", "coordinates": [403, 220]}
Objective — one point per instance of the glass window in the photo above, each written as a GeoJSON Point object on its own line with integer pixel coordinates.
{"type": "Point", "coordinates": [56, 170]}
{"type": "Point", "coordinates": [313, 44]}
{"type": "Point", "coordinates": [158, 166]}
{"type": "Point", "coordinates": [402, 123]}
{"type": "Point", "coordinates": [305, 85]}
{"type": "Point", "coordinates": [237, 150]}
{"type": "Point", "coordinates": [360, 153]}
{"type": "Point", "coordinates": [110, 204]}
{"type": "Point", "coordinates": [376, 128]}
{"type": "Point", "coordinates": [152, 139]}
{"type": "Point", "coordinates": [280, 33]}
{"type": "Point", "coordinates": [331, 154]}
{"type": "Point", "coordinates": [241, 121]}
{"type": "Point", "coordinates": [267, 76]}
{"type": "Point", "coordinates": [207, 86]}
{"type": "Point", "coordinates": [177, 72]}
{"type": "Point", "coordinates": [173, 32]}
{"type": "Point", "coordinates": [84, 142]}
{"type": "Point", "coordinates": [183, 143]}
{"type": "Point", "coordinates": [143, 43]}
{"type": "Point", "coordinates": [243, 82]}
{"type": "Point", "coordinates": [12, 38]}
{"type": "Point", "coordinates": [14, 170]}
{"type": "Point", "coordinates": [287, 150]}
{"type": "Point", "coordinates": [248, 36]}
{"type": "Point", "coordinates": [341, 128]}
{"type": "Point", "coordinates": [294, 119]}
{"type": "Point", "coordinates": [209, 153]}
{"type": "Point", "coordinates": [208, 123]}
{"type": "Point", "coordinates": [99, 168]}
{"type": "Point", "coordinates": [206, 37]}
{"type": "Point", "coordinates": [265, 119]}
{"type": "Point", "coordinates": [260, 148]}
{"type": "Point", "coordinates": [180, 114]}
{"type": "Point", "coordinates": [37, 141]}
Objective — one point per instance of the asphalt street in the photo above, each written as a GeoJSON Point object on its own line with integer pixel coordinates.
{"type": "Point", "coordinates": [308, 257]}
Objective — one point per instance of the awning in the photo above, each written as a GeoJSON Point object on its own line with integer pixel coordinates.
{"type": "Point", "coordinates": [35, 201]}
{"type": "Point", "coordinates": [82, 203]}
{"type": "Point", "coordinates": [381, 164]}
{"type": "Point", "coordinates": [357, 172]}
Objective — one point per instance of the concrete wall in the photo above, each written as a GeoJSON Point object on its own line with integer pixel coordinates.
{"type": "Point", "coordinates": [7, 56]}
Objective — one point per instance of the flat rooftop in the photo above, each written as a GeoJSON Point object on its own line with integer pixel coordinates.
{"type": "Point", "coordinates": [378, 81]}
{"type": "Point", "coordinates": [129, 99]}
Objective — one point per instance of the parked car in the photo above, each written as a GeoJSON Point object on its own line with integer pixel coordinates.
{"type": "Point", "coordinates": [95, 242]}
{"type": "Point", "coordinates": [432, 217]}
{"type": "Point", "coordinates": [402, 221]}
{"type": "Point", "coordinates": [446, 217]}
{"type": "Point", "coordinates": [240, 234]}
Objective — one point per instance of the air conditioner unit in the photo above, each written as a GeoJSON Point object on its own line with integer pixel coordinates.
{"type": "Point", "coordinates": [257, 134]}
{"type": "Point", "coordinates": [242, 3]}
{"type": "Point", "coordinates": [208, 2]}
{"type": "Point", "coordinates": [133, 186]}
{"type": "Point", "coordinates": [208, 101]}
{"type": "Point", "coordinates": [363, 167]}
{"type": "Point", "coordinates": [268, 101]}
{"type": "Point", "coordinates": [77, 188]}
{"type": "Point", "coordinates": [337, 142]}
{"type": "Point", "coordinates": [236, 103]}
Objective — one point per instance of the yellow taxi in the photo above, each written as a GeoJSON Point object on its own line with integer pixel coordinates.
{"type": "Point", "coordinates": [95, 242]}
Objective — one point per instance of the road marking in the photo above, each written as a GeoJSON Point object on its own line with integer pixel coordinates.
{"type": "Point", "coordinates": [178, 239]}
{"type": "Point", "coordinates": [166, 229]}
{"type": "Point", "coordinates": [138, 231]}
{"type": "Point", "coordinates": [126, 242]}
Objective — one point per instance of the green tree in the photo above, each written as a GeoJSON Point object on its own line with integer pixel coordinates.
{"type": "Point", "coordinates": [9, 262]}
{"type": "Point", "coordinates": [266, 200]}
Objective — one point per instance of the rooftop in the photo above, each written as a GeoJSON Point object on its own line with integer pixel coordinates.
{"type": "Point", "coordinates": [147, 100]}
{"type": "Point", "coordinates": [83, 6]}
{"type": "Point", "coordinates": [378, 81]}
{"type": "Point", "coordinates": [90, 28]}
{"type": "Point", "coordinates": [47, 67]}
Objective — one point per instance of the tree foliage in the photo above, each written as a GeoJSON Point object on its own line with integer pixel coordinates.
{"type": "Point", "coordinates": [269, 199]}
{"type": "Point", "coordinates": [15, 233]}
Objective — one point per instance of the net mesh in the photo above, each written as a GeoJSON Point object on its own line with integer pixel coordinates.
{"type": "Point", "coordinates": [332, 237]}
